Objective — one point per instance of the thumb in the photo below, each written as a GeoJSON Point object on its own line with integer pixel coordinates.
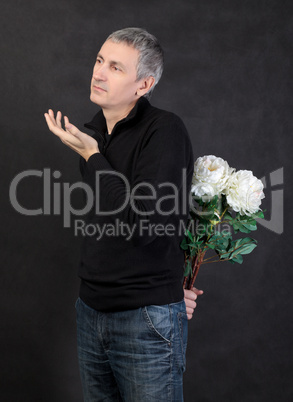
{"type": "Point", "coordinates": [198, 292]}
{"type": "Point", "coordinates": [70, 127]}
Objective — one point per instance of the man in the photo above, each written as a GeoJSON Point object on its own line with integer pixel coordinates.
{"type": "Point", "coordinates": [131, 316]}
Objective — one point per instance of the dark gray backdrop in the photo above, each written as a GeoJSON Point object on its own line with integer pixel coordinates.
{"type": "Point", "coordinates": [228, 75]}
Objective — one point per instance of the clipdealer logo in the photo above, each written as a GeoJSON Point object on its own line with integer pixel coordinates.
{"type": "Point", "coordinates": [57, 198]}
{"type": "Point", "coordinates": [273, 188]}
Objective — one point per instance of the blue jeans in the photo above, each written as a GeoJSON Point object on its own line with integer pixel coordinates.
{"type": "Point", "coordinates": [132, 356]}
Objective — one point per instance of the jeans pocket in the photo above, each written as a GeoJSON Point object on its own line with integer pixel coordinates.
{"type": "Point", "coordinates": [158, 320]}
{"type": "Point", "coordinates": [183, 335]}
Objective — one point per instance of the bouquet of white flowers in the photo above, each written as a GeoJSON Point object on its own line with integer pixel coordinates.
{"type": "Point", "coordinates": [227, 199]}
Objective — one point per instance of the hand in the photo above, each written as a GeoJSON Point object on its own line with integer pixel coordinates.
{"type": "Point", "coordinates": [189, 297]}
{"type": "Point", "coordinates": [80, 142]}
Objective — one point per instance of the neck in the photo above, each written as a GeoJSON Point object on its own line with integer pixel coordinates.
{"type": "Point", "coordinates": [113, 116]}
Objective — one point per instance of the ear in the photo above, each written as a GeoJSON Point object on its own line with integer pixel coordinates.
{"type": "Point", "coordinates": [145, 85]}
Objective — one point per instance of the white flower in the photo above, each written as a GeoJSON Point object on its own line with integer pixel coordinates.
{"type": "Point", "coordinates": [244, 192]}
{"type": "Point", "coordinates": [210, 176]}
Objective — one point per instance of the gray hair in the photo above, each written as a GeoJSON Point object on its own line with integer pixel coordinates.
{"type": "Point", "coordinates": [151, 58]}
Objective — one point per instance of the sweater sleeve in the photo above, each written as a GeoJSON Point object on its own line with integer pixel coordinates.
{"type": "Point", "coordinates": [158, 184]}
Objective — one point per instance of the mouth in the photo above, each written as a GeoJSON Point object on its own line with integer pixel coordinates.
{"type": "Point", "coordinates": [98, 88]}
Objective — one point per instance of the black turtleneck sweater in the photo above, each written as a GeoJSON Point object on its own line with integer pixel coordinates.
{"type": "Point", "coordinates": [132, 257]}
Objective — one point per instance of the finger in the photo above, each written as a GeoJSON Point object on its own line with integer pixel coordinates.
{"type": "Point", "coordinates": [50, 117]}
{"type": "Point", "coordinates": [189, 316]}
{"type": "Point", "coordinates": [66, 121]}
{"type": "Point", "coordinates": [53, 126]}
{"type": "Point", "coordinates": [51, 114]}
{"type": "Point", "coordinates": [189, 310]}
{"type": "Point", "coordinates": [197, 291]}
{"type": "Point", "coordinates": [190, 303]}
{"type": "Point", "coordinates": [190, 294]}
{"type": "Point", "coordinates": [58, 119]}
{"type": "Point", "coordinates": [71, 129]}
{"type": "Point", "coordinates": [49, 121]}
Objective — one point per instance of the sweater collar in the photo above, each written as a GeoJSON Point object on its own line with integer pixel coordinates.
{"type": "Point", "coordinates": [98, 123]}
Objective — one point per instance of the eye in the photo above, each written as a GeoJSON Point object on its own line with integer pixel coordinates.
{"type": "Point", "coordinates": [115, 68]}
{"type": "Point", "coordinates": [99, 61]}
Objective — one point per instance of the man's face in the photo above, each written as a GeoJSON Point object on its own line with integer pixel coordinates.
{"type": "Point", "coordinates": [114, 84]}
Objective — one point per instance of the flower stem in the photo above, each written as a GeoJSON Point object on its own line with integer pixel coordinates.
{"type": "Point", "coordinates": [189, 282]}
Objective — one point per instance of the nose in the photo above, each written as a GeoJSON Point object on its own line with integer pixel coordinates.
{"type": "Point", "coordinates": [99, 73]}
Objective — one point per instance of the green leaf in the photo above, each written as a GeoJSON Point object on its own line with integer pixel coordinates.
{"type": "Point", "coordinates": [205, 216]}
{"type": "Point", "coordinates": [184, 244]}
{"type": "Point", "coordinates": [243, 225]}
{"type": "Point", "coordinates": [236, 225]}
{"type": "Point", "coordinates": [190, 235]}
{"type": "Point", "coordinates": [213, 203]}
{"type": "Point", "coordinates": [248, 221]}
{"type": "Point", "coordinates": [195, 245]}
{"type": "Point", "coordinates": [247, 228]}
{"type": "Point", "coordinates": [243, 246]}
{"type": "Point", "coordinates": [219, 242]}
{"type": "Point", "coordinates": [257, 215]}
{"type": "Point", "coordinates": [247, 248]}
{"type": "Point", "coordinates": [239, 247]}
{"type": "Point", "coordinates": [188, 268]}
{"type": "Point", "coordinates": [225, 256]}
{"type": "Point", "coordinates": [238, 258]}
{"type": "Point", "coordinates": [211, 245]}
